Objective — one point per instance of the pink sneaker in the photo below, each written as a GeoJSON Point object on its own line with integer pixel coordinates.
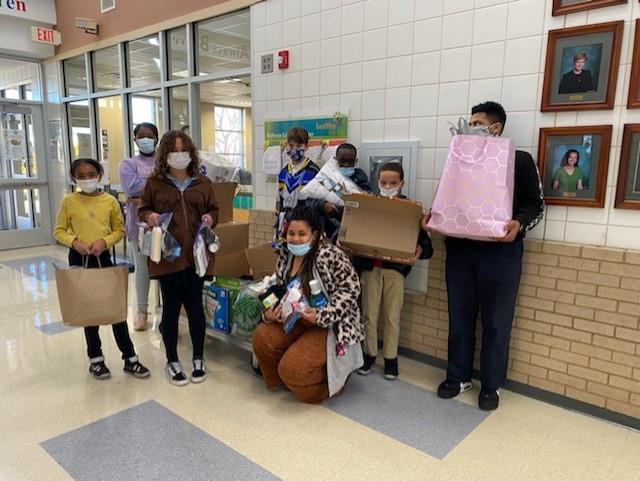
{"type": "Point", "coordinates": [140, 324]}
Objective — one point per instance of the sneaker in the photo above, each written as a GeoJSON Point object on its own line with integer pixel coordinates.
{"type": "Point", "coordinates": [99, 370]}
{"type": "Point", "coordinates": [140, 324]}
{"type": "Point", "coordinates": [449, 389]}
{"type": "Point", "coordinates": [199, 373]}
{"type": "Point", "coordinates": [369, 361]}
{"type": "Point", "coordinates": [135, 368]}
{"type": "Point", "coordinates": [175, 375]}
{"type": "Point", "coordinates": [391, 368]}
{"type": "Point", "coordinates": [488, 400]}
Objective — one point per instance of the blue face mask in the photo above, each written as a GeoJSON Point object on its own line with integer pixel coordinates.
{"type": "Point", "coordinates": [146, 145]}
{"type": "Point", "coordinates": [299, 250]}
{"type": "Point", "coordinates": [296, 154]}
{"type": "Point", "coordinates": [347, 171]}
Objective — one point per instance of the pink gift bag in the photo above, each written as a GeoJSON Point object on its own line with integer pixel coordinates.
{"type": "Point", "coordinates": [474, 199]}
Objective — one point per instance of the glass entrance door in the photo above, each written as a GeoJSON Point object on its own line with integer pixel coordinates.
{"type": "Point", "coordinates": [24, 207]}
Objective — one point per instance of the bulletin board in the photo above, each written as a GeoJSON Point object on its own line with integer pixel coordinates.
{"type": "Point", "coordinates": [325, 134]}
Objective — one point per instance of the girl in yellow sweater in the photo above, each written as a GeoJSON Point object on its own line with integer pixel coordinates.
{"type": "Point", "coordinates": [90, 222]}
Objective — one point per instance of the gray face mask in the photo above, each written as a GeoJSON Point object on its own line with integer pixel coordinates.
{"type": "Point", "coordinates": [463, 128]}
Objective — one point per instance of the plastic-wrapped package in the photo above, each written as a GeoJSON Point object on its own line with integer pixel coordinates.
{"type": "Point", "coordinates": [170, 249]}
{"type": "Point", "coordinates": [293, 304]}
{"type": "Point", "coordinates": [217, 168]}
{"type": "Point", "coordinates": [247, 310]}
{"type": "Point", "coordinates": [329, 185]}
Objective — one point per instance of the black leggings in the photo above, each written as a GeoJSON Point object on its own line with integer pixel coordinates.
{"type": "Point", "coordinates": [120, 330]}
{"type": "Point", "coordinates": [178, 289]}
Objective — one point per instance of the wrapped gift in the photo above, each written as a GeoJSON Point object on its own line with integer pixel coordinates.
{"type": "Point", "coordinates": [474, 199]}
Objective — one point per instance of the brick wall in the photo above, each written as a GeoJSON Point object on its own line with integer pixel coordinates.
{"type": "Point", "coordinates": [576, 331]}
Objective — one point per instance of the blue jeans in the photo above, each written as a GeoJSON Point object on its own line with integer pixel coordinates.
{"type": "Point", "coordinates": [141, 276]}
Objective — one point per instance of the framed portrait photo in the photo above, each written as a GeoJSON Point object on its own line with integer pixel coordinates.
{"type": "Point", "coordinates": [628, 190]}
{"type": "Point", "coordinates": [633, 102]}
{"type": "Point", "coordinates": [573, 163]}
{"type": "Point", "coordinates": [582, 67]}
{"type": "Point", "coordinates": [563, 7]}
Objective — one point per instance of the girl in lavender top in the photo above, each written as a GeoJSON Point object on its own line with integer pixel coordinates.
{"type": "Point", "coordinates": [133, 177]}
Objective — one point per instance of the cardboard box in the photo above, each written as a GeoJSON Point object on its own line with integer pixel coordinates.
{"type": "Point", "coordinates": [232, 265]}
{"type": "Point", "coordinates": [217, 304]}
{"type": "Point", "coordinates": [380, 228]}
{"type": "Point", "coordinates": [225, 192]}
{"type": "Point", "coordinates": [262, 261]}
{"type": "Point", "coordinates": [234, 237]}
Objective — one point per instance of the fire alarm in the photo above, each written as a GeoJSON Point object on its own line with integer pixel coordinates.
{"type": "Point", "coordinates": [283, 59]}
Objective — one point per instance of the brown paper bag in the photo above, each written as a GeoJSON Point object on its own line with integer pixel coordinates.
{"type": "Point", "coordinates": [92, 297]}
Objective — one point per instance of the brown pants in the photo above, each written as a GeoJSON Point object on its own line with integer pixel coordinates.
{"type": "Point", "coordinates": [298, 359]}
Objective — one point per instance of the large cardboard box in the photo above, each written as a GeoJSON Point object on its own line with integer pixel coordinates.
{"type": "Point", "coordinates": [225, 192]}
{"type": "Point", "coordinates": [262, 261]}
{"type": "Point", "coordinates": [232, 265]}
{"type": "Point", "coordinates": [380, 228]}
{"type": "Point", "coordinates": [234, 237]}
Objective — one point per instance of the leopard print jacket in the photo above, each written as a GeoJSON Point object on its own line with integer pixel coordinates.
{"type": "Point", "coordinates": [342, 286]}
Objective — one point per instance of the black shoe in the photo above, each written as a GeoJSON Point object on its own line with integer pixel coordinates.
{"type": "Point", "coordinates": [99, 370]}
{"type": "Point", "coordinates": [199, 372]}
{"type": "Point", "coordinates": [369, 361]}
{"type": "Point", "coordinates": [175, 374]}
{"type": "Point", "coordinates": [391, 369]}
{"type": "Point", "coordinates": [489, 400]}
{"type": "Point", "coordinates": [135, 368]}
{"type": "Point", "coordinates": [450, 389]}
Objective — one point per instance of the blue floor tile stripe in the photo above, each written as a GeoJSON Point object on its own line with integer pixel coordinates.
{"type": "Point", "coordinates": [407, 413]}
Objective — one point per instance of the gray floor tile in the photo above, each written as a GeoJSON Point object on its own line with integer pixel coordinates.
{"type": "Point", "coordinates": [407, 413]}
{"type": "Point", "coordinates": [53, 328]}
{"type": "Point", "coordinates": [149, 442]}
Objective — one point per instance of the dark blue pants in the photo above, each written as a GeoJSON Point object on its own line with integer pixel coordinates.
{"type": "Point", "coordinates": [482, 277]}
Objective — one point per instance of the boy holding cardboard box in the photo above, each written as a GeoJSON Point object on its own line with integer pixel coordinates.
{"type": "Point", "coordinates": [383, 284]}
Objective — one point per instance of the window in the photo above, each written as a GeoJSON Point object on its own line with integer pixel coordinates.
{"type": "Point", "coordinates": [80, 127]}
{"type": "Point", "coordinates": [75, 76]}
{"type": "Point", "coordinates": [144, 61]}
{"type": "Point", "coordinates": [146, 107]}
{"type": "Point", "coordinates": [223, 43]}
{"type": "Point", "coordinates": [106, 69]}
{"type": "Point", "coordinates": [229, 134]}
{"type": "Point", "coordinates": [19, 80]}
{"type": "Point", "coordinates": [179, 108]}
{"type": "Point", "coordinates": [177, 51]}
{"type": "Point", "coordinates": [110, 135]}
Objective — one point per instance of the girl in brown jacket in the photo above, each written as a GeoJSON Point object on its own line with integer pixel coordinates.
{"type": "Point", "coordinates": [177, 187]}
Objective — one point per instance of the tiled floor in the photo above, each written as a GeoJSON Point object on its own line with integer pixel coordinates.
{"type": "Point", "coordinates": [241, 429]}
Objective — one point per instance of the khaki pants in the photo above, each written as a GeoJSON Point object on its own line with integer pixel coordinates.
{"type": "Point", "coordinates": [298, 359]}
{"type": "Point", "coordinates": [382, 290]}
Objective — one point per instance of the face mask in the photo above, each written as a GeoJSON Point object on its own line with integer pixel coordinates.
{"type": "Point", "coordinates": [147, 146]}
{"type": "Point", "coordinates": [389, 192]}
{"type": "Point", "coordinates": [89, 186]}
{"type": "Point", "coordinates": [347, 171]}
{"type": "Point", "coordinates": [482, 130]}
{"type": "Point", "coordinates": [296, 154]}
{"type": "Point", "coordinates": [179, 160]}
{"type": "Point", "coordinates": [299, 250]}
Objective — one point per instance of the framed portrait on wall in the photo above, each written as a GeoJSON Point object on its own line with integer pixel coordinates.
{"type": "Point", "coordinates": [628, 190]}
{"type": "Point", "coordinates": [633, 102]}
{"type": "Point", "coordinates": [563, 7]}
{"type": "Point", "coordinates": [573, 163]}
{"type": "Point", "coordinates": [581, 69]}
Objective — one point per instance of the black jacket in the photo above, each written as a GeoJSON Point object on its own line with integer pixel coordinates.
{"type": "Point", "coordinates": [361, 180]}
{"type": "Point", "coordinates": [366, 264]}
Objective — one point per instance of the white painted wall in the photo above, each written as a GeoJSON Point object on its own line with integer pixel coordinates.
{"type": "Point", "coordinates": [404, 68]}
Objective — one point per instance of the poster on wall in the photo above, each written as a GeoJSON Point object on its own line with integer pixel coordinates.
{"type": "Point", "coordinates": [54, 135]}
{"type": "Point", "coordinates": [581, 69]}
{"type": "Point", "coordinates": [15, 142]}
{"type": "Point", "coordinates": [628, 188]}
{"type": "Point", "coordinates": [563, 7]}
{"type": "Point", "coordinates": [325, 134]}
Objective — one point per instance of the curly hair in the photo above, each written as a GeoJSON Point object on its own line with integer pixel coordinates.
{"type": "Point", "coordinates": [168, 145]}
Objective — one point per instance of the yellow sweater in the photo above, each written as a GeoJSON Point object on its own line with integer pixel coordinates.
{"type": "Point", "coordinates": [89, 219]}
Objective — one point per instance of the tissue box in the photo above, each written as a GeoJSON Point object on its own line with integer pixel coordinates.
{"type": "Point", "coordinates": [474, 199]}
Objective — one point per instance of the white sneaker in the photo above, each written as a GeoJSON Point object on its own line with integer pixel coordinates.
{"type": "Point", "coordinates": [199, 373]}
{"type": "Point", "coordinates": [175, 374]}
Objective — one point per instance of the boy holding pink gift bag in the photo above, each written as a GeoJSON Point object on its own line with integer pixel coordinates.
{"type": "Point", "coordinates": [489, 196]}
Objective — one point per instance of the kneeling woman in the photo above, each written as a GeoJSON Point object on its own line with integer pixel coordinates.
{"type": "Point", "coordinates": [315, 359]}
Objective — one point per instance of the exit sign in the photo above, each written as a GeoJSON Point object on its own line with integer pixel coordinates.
{"type": "Point", "coordinates": [45, 35]}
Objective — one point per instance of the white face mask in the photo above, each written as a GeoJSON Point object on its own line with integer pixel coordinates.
{"type": "Point", "coordinates": [179, 160]}
{"type": "Point", "coordinates": [89, 186]}
{"type": "Point", "coordinates": [388, 192]}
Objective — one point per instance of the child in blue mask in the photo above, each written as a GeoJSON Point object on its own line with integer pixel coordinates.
{"type": "Point", "coordinates": [298, 172]}
{"type": "Point", "coordinates": [347, 159]}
